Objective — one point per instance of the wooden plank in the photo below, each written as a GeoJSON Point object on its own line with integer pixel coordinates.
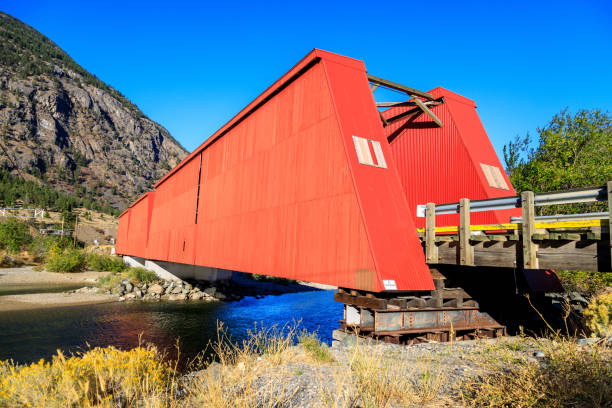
{"type": "Point", "coordinates": [431, 250]}
{"type": "Point", "coordinates": [593, 236]}
{"type": "Point", "coordinates": [374, 87]}
{"type": "Point", "coordinates": [361, 301]}
{"type": "Point", "coordinates": [382, 118]}
{"type": "Point", "coordinates": [465, 249]}
{"type": "Point", "coordinates": [479, 238]}
{"type": "Point", "coordinates": [577, 255]}
{"type": "Point", "coordinates": [569, 237]}
{"type": "Point", "coordinates": [398, 87]}
{"type": "Point", "coordinates": [392, 104]}
{"type": "Point", "coordinates": [443, 238]}
{"type": "Point", "coordinates": [427, 111]}
{"type": "Point", "coordinates": [530, 260]}
{"type": "Point", "coordinates": [485, 227]}
{"type": "Point", "coordinates": [540, 237]}
{"type": "Point", "coordinates": [498, 238]}
{"type": "Point", "coordinates": [538, 225]}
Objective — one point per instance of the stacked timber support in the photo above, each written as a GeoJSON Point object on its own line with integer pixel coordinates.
{"type": "Point", "coordinates": [444, 314]}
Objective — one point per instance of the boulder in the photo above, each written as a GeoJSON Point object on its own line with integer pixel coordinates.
{"type": "Point", "coordinates": [128, 287]}
{"type": "Point", "coordinates": [130, 296]}
{"type": "Point", "coordinates": [138, 293]}
{"type": "Point", "coordinates": [210, 291]}
{"type": "Point", "coordinates": [156, 289]}
{"type": "Point", "coordinates": [196, 295]}
{"type": "Point", "coordinates": [176, 290]}
{"type": "Point", "coordinates": [188, 286]}
{"type": "Point", "coordinates": [179, 296]}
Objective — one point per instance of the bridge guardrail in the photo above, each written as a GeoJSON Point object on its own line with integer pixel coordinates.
{"type": "Point", "coordinates": [527, 201]}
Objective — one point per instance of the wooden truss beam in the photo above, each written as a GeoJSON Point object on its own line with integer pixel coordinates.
{"type": "Point", "coordinates": [427, 111]}
{"type": "Point", "coordinates": [399, 87]}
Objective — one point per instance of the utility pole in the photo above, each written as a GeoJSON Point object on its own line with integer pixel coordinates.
{"type": "Point", "coordinates": [74, 234]}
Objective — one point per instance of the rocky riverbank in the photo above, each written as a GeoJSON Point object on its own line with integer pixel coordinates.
{"type": "Point", "coordinates": [240, 286]}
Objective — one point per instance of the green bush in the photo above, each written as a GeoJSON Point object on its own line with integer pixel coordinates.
{"type": "Point", "coordinates": [314, 348]}
{"type": "Point", "coordinates": [72, 260]}
{"type": "Point", "coordinates": [97, 262]}
{"type": "Point", "coordinates": [599, 315]}
{"type": "Point", "coordinates": [141, 275]}
{"type": "Point", "coordinates": [14, 235]}
{"type": "Point", "coordinates": [41, 246]}
{"type": "Point", "coordinates": [586, 283]}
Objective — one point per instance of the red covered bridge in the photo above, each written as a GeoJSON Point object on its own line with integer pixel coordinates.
{"type": "Point", "coordinates": [312, 181]}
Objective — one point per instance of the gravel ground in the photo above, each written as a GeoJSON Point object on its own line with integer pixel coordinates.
{"type": "Point", "coordinates": [433, 372]}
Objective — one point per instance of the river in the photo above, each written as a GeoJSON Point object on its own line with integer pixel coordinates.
{"type": "Point", "coordinates": [29, 335]}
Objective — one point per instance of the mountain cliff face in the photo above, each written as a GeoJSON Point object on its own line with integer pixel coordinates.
{"type": "Point", "coordinates": [62, 126]}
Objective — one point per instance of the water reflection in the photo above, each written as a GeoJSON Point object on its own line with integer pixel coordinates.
{"type": "Point", "coordinates": [29, 335]}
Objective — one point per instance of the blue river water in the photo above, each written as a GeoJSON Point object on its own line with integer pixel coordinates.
{"type": "Point", "coordinates": [29, 335]}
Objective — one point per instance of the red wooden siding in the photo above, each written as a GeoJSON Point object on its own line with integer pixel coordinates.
{"type": "Point", "coordinates": [442, 165]}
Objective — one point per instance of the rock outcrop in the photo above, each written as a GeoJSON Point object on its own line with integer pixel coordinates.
{"type": "Point", "coordinates": [60, 124]}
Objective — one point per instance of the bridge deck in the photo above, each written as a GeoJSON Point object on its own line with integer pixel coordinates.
{"type": "Point", "coordinates": [582, 245]}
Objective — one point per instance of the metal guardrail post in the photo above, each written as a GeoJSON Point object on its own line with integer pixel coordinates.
{"type": "Point", "coordinates": [530, 259]}
{"type": "Point", "coordinates": [431, 250]}
{"type": "Point", "coordinates": [466, 256]}
{"type": "Point", "coordinates": [610, 219]}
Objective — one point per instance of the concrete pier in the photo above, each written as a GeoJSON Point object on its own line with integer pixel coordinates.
{"type": "Point", "coordinates": [178, 271]}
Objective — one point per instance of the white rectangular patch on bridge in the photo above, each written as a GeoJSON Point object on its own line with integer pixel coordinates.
{"type": "Point", "coordinates": [389, 284]}
{"type": "Point", "coordinates": [367, 150]}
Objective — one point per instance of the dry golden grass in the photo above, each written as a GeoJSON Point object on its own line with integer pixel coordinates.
{"type": "Point", "coordinates": [571, 375]}
{"type": "Point", "coordinates": [267, 370]}
{"type": "Point", "coordinates": [101, 377]}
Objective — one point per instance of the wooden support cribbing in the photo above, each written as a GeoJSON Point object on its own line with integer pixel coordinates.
{"type": "Point", "coordinates": [530, 260]}
{"type": "Point", "coordinates": [431, 249]}
{"type": "Point", "coordinates": [610, 219]}
{"type": "Point", "coordinates": [466, 255]}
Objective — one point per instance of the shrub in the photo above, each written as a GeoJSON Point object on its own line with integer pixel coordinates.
{"type": "Point", "coordinates": [99, 377]}
{"type": "Point", "coordinates": [14, 235]}
{"type": "Point", "coordinates": [97, 262]}
{"type": "Point", "coordinates": [141, 275]}
{"type": "Point", "coordinates": [599, 315]}
{"type": "Point", "coordinates": [569, 377]}
{"type": "Point", "coordinates": [41, 246]}
{"type": "Point", "coordinates": [314, 348]}
{"type": "Point", "coordinates": [584, 282]}
{"type": "Point", "coordinates": [72, 260]}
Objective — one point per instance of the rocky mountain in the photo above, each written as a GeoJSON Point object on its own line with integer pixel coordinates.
{"type": "Point", "coordinates": [62, 126]}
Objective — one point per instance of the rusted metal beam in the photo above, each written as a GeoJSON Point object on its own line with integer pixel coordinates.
{"type": "Point", "coordinates": [399, 87]}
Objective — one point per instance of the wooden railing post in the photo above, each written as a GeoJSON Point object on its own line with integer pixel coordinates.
{"type": "Point", "coordinates": [530, 259]}
{"type": "Point", "coordinates": [465, 249]}
{"type": "Point", "coordinates": [610, 219]}
{"type": "Point", "coordinates": [431, 250]}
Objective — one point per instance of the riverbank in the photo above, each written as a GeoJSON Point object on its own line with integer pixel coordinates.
{"type": "Point", "coordinates": [269, 370]}
{"type": "Point", "coordinates": [25, 288]}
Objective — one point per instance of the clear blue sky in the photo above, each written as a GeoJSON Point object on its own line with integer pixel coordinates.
{"type": "Point", "coordinates": [191, 66]}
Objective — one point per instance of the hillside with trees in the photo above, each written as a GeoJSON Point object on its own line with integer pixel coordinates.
{"type": "Point", "coordinates": [68, 137]}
